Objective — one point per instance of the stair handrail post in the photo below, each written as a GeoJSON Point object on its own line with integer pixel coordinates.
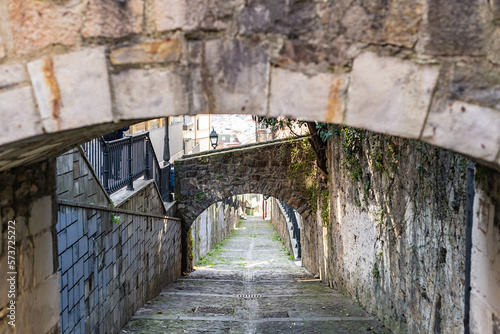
{"type": "Point", "coordinates": [106, 163]}
{"type": "Point", "coordinates": [130, 184]}
{"type": "Point", "coordinates": [147, 142]}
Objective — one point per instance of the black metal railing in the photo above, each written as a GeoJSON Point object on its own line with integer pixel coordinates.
{"type": "Point", "coordinates": [120, 162]}
{"type": "Point", "coordinates": [94, 150]}
{"type": "Point", "coordinates": [290, 212]}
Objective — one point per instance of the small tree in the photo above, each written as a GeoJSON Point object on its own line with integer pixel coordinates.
{"type": "Point", "coordinates": [319, 133]}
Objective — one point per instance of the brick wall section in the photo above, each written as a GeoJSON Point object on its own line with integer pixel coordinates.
{"type": "Point", "coordinates": [109, 269]}
{"type": "Point", "coordinates": [213, 226]}
{"type": "Point", "coordinates": [27, 197]}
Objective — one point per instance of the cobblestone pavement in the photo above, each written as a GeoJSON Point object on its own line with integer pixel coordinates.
{"type": "Point", "coordinates": [249, 284]}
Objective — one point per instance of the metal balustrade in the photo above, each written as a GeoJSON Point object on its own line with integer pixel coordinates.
{"type": "Point", "coordinates": [290, 212]}
{"type": "Point", "coordinates": [120, 162]}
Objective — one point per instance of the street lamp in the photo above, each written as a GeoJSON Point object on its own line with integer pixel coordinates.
{"type": "Point", "coordinates": [214, 138]}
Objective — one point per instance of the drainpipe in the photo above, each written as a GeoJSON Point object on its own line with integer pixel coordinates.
{"type": "Point", "coordinates": [469, 204]}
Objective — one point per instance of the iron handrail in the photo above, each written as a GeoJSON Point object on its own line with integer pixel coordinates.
{"type": "Point", "coordinates": [118, 163]}
{"type": "Point", "coordinates": [290, 212]}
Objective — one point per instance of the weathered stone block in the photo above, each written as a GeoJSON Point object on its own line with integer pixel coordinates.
{"type": "Point", "coordinates": [164, 51]}
{"type": "Point", "coordinates": [277, 16]}
{"type": "Point", "coordinates": [68, 86]}
{"type": "Point", "coordinates": [476, 83]}
{"type": "Point", "coordinates": [41, 215]}
{"type": "Point", "coordinates": [229, 77]}
{"type": "Point", "coordinates": [37, 24]}
{"type": "Point", "coordinates": [319, 97]}
{"type": "Point", "coordinates": [455, 27]}
{"type": "Point", "coordinates": [189, 15]}
{"type": "Point", "coordinates": [150, 93]}
{"type": "Point", "coordinates": [2, 49]}
{"type": "Point", "coordinates": [11, 74]}
{"type": "Point", "coordinates": [18, 116]}
{"type": "Point", "coordinates": [42, 304]}
{"type": "Point", "coordinates": [449, 125]}
{"type": "Point", "coordinates": [111, 18]}
{"type": "Point", "coordinates": [494, 46]}
{"type": "Point", "coordinates": [403, 22]}
{"type": "Point", "coordinates": [390, 95]}
{"type": "Point", "coordinates": [170, 14]}
{"type": "Point", "coordinates": [44, 261]}
{"type": "Point", "coordinates": [394, 22]}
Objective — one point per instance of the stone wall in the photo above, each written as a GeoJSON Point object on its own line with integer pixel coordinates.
{"type": "Point", "coordinates": [485, 273]}
{"type": "Point", "coordinates": [111, 259]}
{"type": "Point", "coordinates": [214, 225]}
{"type": "Point", "coordinates": [28, 212]}
{"type": "Point", "coordinates": [416, 69]}
{"type": "Point", "coordinates": [395, 240]}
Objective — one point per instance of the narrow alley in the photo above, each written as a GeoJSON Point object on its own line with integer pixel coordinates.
{"type": "Point", "coordinates": [249, 284]}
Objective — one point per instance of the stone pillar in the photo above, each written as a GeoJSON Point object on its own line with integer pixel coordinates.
{"type": "Point", "coordinates": [28, 213]}
{"type": "Point", "coordinates": [187, 250]}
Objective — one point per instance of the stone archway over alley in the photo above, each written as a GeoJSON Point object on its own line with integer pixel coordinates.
{"type": "Point", "coordinates": [405, 223]}
{"type": "Point", "coordinates": [419, 70]}
{"type": "Point", "coordinates": [263, 168]}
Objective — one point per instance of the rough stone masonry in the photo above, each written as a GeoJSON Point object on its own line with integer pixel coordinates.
{"type": "Point", "coordinates": [424, 69]}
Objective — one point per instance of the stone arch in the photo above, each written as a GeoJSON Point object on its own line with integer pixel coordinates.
{"type": "Point", "coordinates": [393, 68]}
{"type": "Point", "coordinates": [204, 179]}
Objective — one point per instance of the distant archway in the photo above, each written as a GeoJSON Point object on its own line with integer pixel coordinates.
{"type": "Point", "coordinates": [264, 168]}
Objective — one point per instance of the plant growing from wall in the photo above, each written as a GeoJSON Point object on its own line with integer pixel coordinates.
{"type": "Point", "coordinates": [115, 219]}
{"type": "Point", "coordinates": [351, 149]}
{"type": "Point", "coordinates": [199, 196]}
{"type": "Point", "coordinates": [320, 133]}
{"type": "Point", "coordinates": [325, 207]}
{"type": "Point", "coordinates": [375, 271]}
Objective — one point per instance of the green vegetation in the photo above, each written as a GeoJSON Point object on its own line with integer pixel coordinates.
{"type": "Point", "coordinates": [375, 271]}
{"type": "Point", "coordinates": [214, 257]}
{"type": "Point", "coordinates": [198, 196]}
{"type": "Point", "coordinates": [482, 174]}
{"type": "Point", "coordinates": [351, 149]}
{"type": "Point", "coordinates": [325, 207]}
{"type": "Point", "coordinates": [115, 219]}
{"type": "Point", "coordinates": [220, 176]}
{"type": "Point", "coordinates": [290, 256]}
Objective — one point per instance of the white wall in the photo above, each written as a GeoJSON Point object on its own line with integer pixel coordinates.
{"type": "Point", "coordinates": [485, 273]}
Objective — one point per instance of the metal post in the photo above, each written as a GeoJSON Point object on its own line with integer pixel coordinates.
{"type": "Point", "coordinates": [166, 143]}
{"type": "Point", "coordinates": [105, 180]}
{"type": "Point", "coordinates": [130, 185]}
{"type": "Point", "coordinates": [147, 142]}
